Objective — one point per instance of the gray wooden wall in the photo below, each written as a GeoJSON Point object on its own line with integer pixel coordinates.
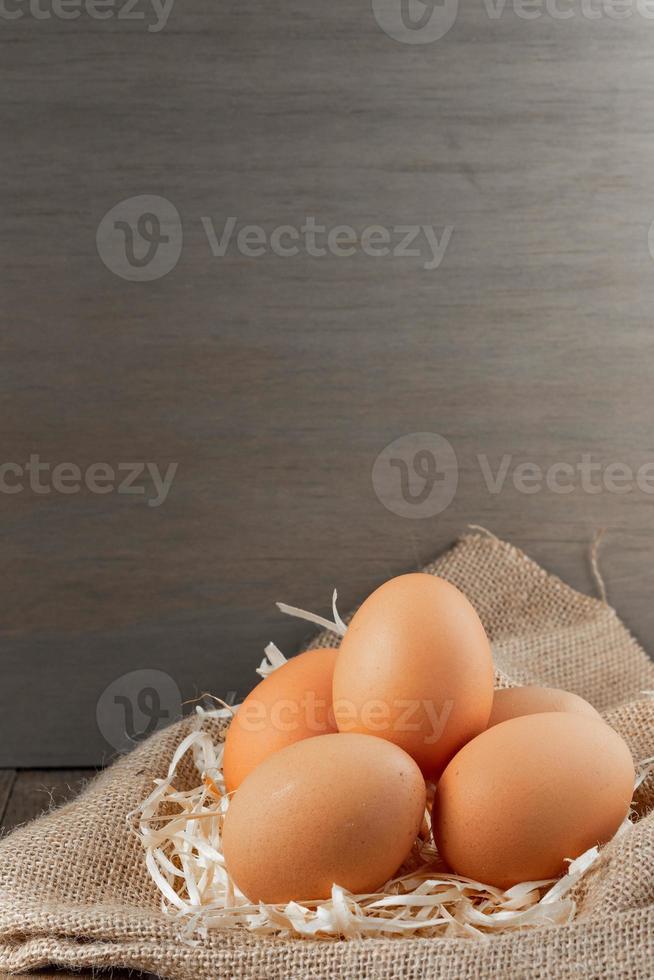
{"type": "Point", "coordinates": [274, 382]}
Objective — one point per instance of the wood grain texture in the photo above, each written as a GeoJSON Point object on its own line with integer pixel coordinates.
{"type": "Point", "coordinates": [35, 791]}
{"type": "Point", "coordinates": [275, 382]}
{"type": "Point", "coordinates": [7, 780]}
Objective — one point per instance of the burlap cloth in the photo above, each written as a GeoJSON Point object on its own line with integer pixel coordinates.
{"type": "Point", "coordinates": [74, 890]}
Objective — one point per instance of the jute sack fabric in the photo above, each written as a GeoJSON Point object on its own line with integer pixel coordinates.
{"type": "Point", "coordinates": [74, 890]}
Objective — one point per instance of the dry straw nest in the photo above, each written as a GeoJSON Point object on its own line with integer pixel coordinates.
{"type": "Point", "coordinates": [181, 832]}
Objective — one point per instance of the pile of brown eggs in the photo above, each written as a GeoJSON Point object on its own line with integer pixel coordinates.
{"type": "Point", "coordinates": [327, 759]}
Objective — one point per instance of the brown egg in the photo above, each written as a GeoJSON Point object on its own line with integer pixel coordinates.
{"type": "Point", "coordinates": [292, 703]}
{"type": "Point", "coordinates": [529, 793]}
{"type": "Point", "coordinates": [415, 667]}
{"type": "Point", "coordinates": [512, 702]}
{"type": "Point", "coordinates": [342, 809]}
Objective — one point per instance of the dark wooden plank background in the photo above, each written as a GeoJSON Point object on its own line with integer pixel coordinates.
{"type": "Point", "coordinates": [274, 382]}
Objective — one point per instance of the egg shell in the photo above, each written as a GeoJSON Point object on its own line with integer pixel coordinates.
{"type": "Point", "coordinates": [342, 809]}
{"type": "Point", "coordinates": [415, 667]}
{"type": "Point", "coordinates": [292, 703]}
{"type": "Point", "coordinates": [512, 702]}
{"type": "Point", "coordinates": [530, 792]}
